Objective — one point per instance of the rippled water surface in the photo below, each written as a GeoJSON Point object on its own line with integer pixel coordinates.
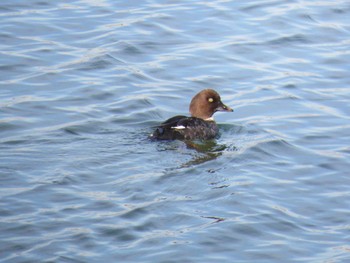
{"type": "Point", "coordinates": [82, 84]}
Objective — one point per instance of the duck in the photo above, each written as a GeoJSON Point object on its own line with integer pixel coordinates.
{"type": "Point", "coordinates": [200, 125]}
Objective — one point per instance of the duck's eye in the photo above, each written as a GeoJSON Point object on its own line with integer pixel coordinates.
{"type": "Point", "coordinates": [210, 99]}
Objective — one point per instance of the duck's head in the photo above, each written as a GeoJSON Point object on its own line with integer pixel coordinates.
{"type": "Point", "coordinates": [206, 103]}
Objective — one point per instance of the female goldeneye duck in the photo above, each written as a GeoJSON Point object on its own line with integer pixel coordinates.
{"type": "Point", "coordinates": [200, 125]}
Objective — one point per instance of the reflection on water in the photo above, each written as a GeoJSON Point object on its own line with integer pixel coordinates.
{"type": "Point", "coordinates": [207, 151]}
{"type": "Point", "coordinates": [201, 151]}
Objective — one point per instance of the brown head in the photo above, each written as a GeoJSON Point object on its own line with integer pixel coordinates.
{"type": "Point", "coordinates": [206, 103]}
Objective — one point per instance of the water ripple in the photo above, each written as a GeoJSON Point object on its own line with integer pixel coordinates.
{"type": "Point", "coordinates": [82, 85]}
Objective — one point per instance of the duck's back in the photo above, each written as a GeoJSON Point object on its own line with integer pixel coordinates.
{"type": "Point", "coordinates": [185, 128]}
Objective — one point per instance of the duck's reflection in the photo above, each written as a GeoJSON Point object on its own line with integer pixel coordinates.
{"type": "Point", "coordinates": [205, 151]}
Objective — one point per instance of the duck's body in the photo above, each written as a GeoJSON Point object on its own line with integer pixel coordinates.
{"type": "Point", "coordinates": [186, 128]}
{"type": "Point", "coordinates": [200, 125]}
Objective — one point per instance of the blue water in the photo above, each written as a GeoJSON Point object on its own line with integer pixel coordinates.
{"type": "Point", "coordinates": [82, 83]}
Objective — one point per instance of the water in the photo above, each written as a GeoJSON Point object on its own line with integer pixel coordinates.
{"type": "Point", "coordinates": [83, 82]}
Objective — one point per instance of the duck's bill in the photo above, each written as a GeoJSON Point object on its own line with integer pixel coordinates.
{"type": "Point", "coordinates": [223, 107]}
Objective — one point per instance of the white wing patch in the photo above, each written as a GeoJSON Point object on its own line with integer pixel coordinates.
{"type": "Point", "coordinates": [180, 127]}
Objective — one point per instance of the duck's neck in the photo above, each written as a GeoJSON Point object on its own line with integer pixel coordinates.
{"type": "Point", "coordinates": [209, 119]}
